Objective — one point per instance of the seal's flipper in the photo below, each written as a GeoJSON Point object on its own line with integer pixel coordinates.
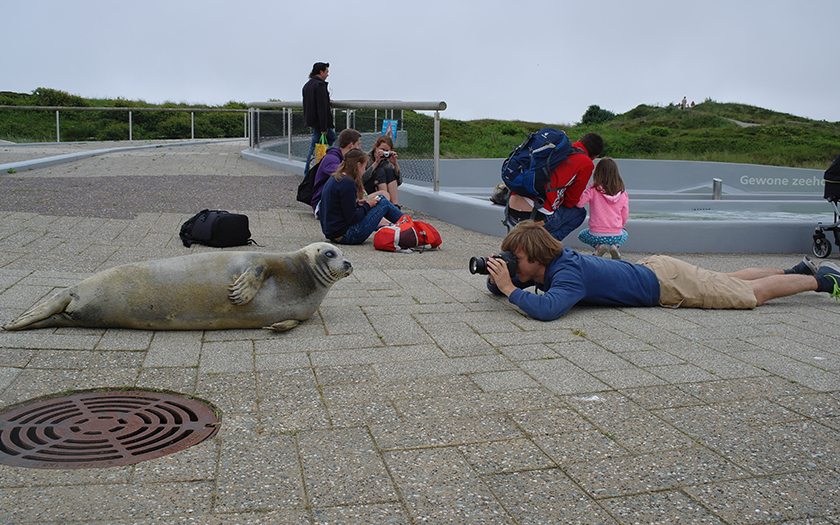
{"type": "Point", "coordinates": [246, 286]}
{"type": "Point", "coordinates": [282, 326]}
{"type": "Point", "coordinates": [46, 314]}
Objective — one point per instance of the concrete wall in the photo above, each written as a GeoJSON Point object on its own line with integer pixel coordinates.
{"type": "Point", "coordinates": [770, 188]}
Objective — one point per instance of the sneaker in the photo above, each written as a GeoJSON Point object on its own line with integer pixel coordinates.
{"type": "Point", "coordinates": [806, 267]}
{"type": "Point", "coordinates": [828, 279]}
{"type": "Point", "coordinates": [601, 250]}
{"type": "Point", "coordinates": [614, 253]}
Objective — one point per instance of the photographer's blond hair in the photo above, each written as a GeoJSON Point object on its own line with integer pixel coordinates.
{"type": "Point", "coordinates": [534, 240]}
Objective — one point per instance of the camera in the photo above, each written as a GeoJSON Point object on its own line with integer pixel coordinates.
{"type": "Point", "coordinates": [386, 154]}
{"type": "Point", "coordinates": [479, 264]}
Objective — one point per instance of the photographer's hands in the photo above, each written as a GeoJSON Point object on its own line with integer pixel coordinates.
{"type": "Point", "coordinates": [500, 275]}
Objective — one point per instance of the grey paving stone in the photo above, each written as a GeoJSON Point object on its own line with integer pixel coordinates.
{"type": "Point", "coordinates": [505, 456]}
{"type": "Point", "coordinates": [15, 357]}
{"type": "Point", "coordinates": [342, 467]}
{"type": "Point", "coordinates": [91, 502]}
{"type": "Point", "coordinates": [281, 361]}
{"type": "Point", "coordinates": [576, 447]}
{"type": "Point", "coordinates": [444, 431]}
{"type": "Point", "coordinates": [441, 487]}
{"type": "Point", "coordinates": [229, 392]}
{"type": "Point", "coordinates": [182, 380]}
{"type": "Point", "coordinates": [660, 396]}
{"type": "Point", "coordinates": [663, 507]}
{"type": "Point", "coordinates": [628, 377]}
{"type": "Point", "coordinates": [551, 421]}
{"type": "Point", "coordinates": [175, 349]}
{"type": "Point", "coordinates": [527, 352]}
{"type": "Point", "coordinates": [369, 356]}
{"type": "Point", "coordinates": [227, 357]}
{"type": "Point", "coordinates": [328, 375]}
{"type": "Point", "coordinates": [7, 376]}
{"type": "Point", "coordinates": [509, 380]}
{"type": "Point", "coordinates": [80, 359]}
{"type": "Point", "coordinates": [650, 472]}
{"type": "Point", "coordinates": [562, 377]}
{"type": "Point", "coordinates": [259, 472]}
{"type": "Point", "coordinates": [361, 414]}
{"type": "Point", "coordinates": [769, 499]}
{"type": "Point", "coordinates": [685, 373]}
{"type": "Point", "coordinates": [453, 405]}
{"type": "Point", "coordinates": [545, 496]}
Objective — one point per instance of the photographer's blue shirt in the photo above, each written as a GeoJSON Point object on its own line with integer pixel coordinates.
{"type": "Point", "coordinates": [573, 279]}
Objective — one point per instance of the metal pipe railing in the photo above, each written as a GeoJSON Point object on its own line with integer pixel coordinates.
{"type": "Point", "coordinates": [286, 107]}
{"type": "Point", "coordinates": [191, 111]}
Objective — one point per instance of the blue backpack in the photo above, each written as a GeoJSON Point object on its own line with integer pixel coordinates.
{"type": "Point", "coordinates": [527, 170]}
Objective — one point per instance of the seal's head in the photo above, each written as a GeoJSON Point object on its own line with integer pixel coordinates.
{"type": "Point", "coordinates": [328, 263]}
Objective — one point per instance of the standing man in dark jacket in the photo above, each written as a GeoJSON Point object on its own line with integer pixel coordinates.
{"type": "Point", "coordinates": [316, 108]}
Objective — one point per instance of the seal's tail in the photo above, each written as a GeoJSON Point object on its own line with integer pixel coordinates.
{"type": "Point", "coordinates": [46, 314]}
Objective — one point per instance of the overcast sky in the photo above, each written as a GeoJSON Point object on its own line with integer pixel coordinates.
{"type": "Point", "coordinates": [538, 61]}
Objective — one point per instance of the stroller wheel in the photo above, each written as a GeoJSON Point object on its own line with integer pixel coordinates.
{"type": "Point", "coordinates": [821, 247]}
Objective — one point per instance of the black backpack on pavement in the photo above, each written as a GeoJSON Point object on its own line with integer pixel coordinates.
{"type": "Point", "coordinates": [216, 228]}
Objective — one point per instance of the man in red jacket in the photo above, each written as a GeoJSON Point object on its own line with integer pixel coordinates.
{"type": "Point", "coordinates": [558, 215]}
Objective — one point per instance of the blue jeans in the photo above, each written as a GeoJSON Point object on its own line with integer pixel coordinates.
{"type": "Point", "coordinates": [359, 232]}
{"type": "Point", "coordinates": [316, 136]}
{"type": "Point", "coordinates": [564, 221]}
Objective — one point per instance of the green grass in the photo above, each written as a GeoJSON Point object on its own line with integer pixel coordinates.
{"type": "Point", "coordinates": [39, 126]}
{"type": "Point", "coordinates": [706, 132]}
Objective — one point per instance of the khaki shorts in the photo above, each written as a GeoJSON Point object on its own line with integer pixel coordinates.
{"type": "Point", "coordinates": [683, 284]}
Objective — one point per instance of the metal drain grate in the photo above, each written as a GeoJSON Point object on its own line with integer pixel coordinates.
{"type": "Point", "coordinates": [102, 429]}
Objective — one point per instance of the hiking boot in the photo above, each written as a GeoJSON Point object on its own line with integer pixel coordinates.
{"type": "Point", "coordinates": [828, 279]}
{"type": "Point", "coordinates": [614, 253]}
{"type": "Point", "coordinates": [806, 267]}
{"type": "Point", "coordinates": [601, 250]}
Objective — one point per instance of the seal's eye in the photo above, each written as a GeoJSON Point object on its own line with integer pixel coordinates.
{"type": "Point", "coordinates": [329, 254]}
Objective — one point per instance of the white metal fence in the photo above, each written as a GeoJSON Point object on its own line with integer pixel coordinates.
{"type": "Point", "coordinates": [278, 128]}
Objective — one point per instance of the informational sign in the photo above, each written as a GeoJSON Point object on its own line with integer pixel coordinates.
{"type": "Point", "coordinates": [389, 127]}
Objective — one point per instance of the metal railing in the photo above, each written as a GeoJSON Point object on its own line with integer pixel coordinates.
{"type": "Point", "coordinates": [279, 128]}
{"type": "Point", "coordinates": [131, 110]}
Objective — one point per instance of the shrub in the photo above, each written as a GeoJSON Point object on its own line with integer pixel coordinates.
{"type": "Point", "coordinates": [596, 115]}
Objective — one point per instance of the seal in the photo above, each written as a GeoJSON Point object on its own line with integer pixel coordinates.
{"type": "Point", "coordinates": [207, 291]}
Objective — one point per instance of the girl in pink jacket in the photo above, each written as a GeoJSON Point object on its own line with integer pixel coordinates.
{"type": "Point", "coordinates": [608, 210]}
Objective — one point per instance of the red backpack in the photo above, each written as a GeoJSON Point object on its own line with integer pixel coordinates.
{"type": "Point", "coordinates": [406, 235]}
{"type": "Point", "coordinates": [428, 234]}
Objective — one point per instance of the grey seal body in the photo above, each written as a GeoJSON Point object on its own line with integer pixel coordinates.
{"type": "Point", "coordinates": [208, 291]}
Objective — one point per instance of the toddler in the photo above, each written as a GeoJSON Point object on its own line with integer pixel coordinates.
{"type": "Point", "coordinates": [608, 210]}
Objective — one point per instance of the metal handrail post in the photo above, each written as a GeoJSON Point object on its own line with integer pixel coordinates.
{"type": "Point", "coordinates": [57, 128]}
{"type": "Point", "coordinates": [192, 124]}
{"type": "Point", "coordinates": [289, 134]}
{"type": "Point", "coordinates": [250, 125]}
{"type": "Point", "coordinates": [437, 152]}
{"type": "Point", "coordinates": [130, 127]}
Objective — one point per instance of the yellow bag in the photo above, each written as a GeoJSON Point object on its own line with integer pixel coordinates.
{"type": "Point", "coordinates": [320, 149]}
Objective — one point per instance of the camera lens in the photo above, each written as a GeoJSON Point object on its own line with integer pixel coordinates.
{"type": "Point", "coordinates": [478, 265]}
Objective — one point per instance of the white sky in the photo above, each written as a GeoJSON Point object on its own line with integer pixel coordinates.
{"type": "Point", "coordinates": [543, 61]}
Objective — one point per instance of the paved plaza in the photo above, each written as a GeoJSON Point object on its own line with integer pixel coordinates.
{"type": "Point", "coordinates": [412, 395]}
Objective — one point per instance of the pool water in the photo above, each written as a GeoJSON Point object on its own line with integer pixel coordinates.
{"type": "Point", "coordinates": [718, 215]}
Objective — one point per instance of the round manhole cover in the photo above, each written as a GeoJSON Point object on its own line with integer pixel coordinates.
{"type": "Point", "coordinates": [102, 429]}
